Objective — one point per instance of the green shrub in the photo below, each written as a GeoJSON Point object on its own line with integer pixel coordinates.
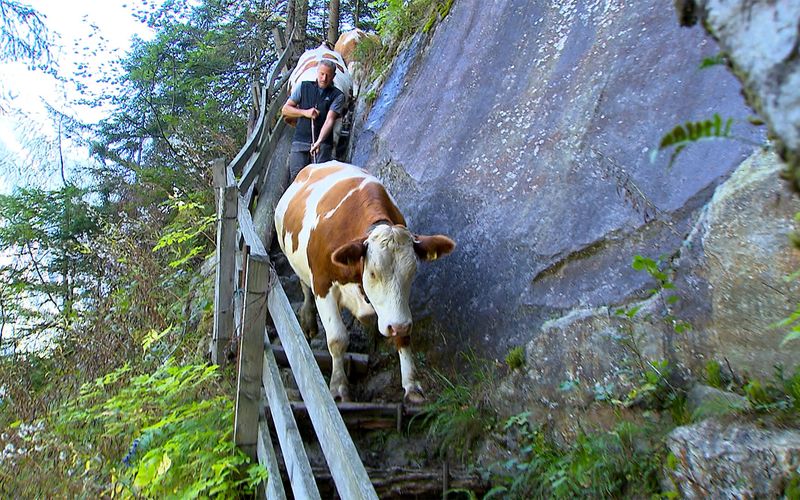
{"type": "Point", "coordinates": [714, 374]}
{"type": "Point", "coordinates": [756, 393]}
{"type": "Point", "coordinates": [164, 434]}
{"type": "Point", "coordinates": [515, 359]}
{"type": "Point", "coordinates": [622, 462]}
{"type": "Point", "coordinates": [460, 415]}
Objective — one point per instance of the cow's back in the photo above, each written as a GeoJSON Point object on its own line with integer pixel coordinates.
{"type": "Point", "coordinates": [306, 69]}
{"type": "Point", "coordinates": [328, 205]}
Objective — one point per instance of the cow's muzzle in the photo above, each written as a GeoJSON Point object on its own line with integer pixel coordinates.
{"type": "Point", "coordinates": [399, 330]}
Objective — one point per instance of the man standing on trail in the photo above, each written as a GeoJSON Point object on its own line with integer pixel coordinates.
{"type": "Point", "coordinates": [319, 103]}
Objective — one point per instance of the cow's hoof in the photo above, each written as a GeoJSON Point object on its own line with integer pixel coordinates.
{"type": "Point", "coordinates": [414, 396]}
{"type": "Point", "coordinates": [340, 393]}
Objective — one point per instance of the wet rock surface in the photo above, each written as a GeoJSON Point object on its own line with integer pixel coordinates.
{"type": "Point", "coordinates": [523, 130]}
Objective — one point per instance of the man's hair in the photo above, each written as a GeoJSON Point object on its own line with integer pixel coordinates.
{"type": "Point", "coordinates": [328, 63]}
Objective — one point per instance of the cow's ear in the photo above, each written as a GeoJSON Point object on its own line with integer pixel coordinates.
{"type": "Point", "coordinates": [350, 253]}
{"type": "Point", "coordinates": [433, 247]}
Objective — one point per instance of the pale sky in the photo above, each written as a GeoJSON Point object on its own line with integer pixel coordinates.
{"type": "Point", "coordinates": [88, 32]}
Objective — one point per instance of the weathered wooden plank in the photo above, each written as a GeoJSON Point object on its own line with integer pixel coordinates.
{"type": "Point", "coordinates": [280, 83]}
{"type": "Point", "coordinates": [274, 138]}
{"type": "Point", "coordinates": [238, 295]}
{"type": "Point", "coordinates": [294, 454]}
{"type": "Point", "coordinates": [248, 392]}
{"type": "Point", "coordinates": [268, 458]}
{"type": "Point", "coordinates": [354, 363]}
{"type": "Point", "coordinates": [352, 481]}
{"type": "Point", "coordinates": [225, 275]}
{"type": "Point", "coordinates": [257, 250]}
{"type": "Point", "coordinates": [238, 163]}
{"type": "Point", "coordinates": [272, 145]}
{"type": "Point", "coordinates": [276, 70]}
{"type": "Point", "coordinates": [396, 482]}
{"type": "Point", "coordinates": [275, 106]}
{"type": "Point", "coordinates": [257, 95]}
{"type": "Point", "coordinates": [277, 36]}
{"type": "Point", "coordinates": [271, 187]}
{"type": "Point", "coordinates": [387, 409]}
{"type": "Point", "coordinates": [247, 197]}
{"type": "Point", "coordinates": [230, 178]}
{"type": "Point", "coordinates": [255, 108]}
{"type": "Point", "coordinates": [367, 415]}
{"type": "Point", "coordinates": [256, 163]}
{"type": "Point", "coordinates": [251, 170]}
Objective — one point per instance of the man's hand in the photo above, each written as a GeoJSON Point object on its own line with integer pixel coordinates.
{"type": "Point", "coordinates": [311, 113]}
{"type": "Point", "coordinates": [314, 148]}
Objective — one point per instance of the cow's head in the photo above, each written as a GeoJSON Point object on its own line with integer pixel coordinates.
{"type": "Point", "coordinates": [388, 262]}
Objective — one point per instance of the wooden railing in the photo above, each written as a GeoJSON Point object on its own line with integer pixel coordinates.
{"type": "Point", "coordinates": [240, 316]}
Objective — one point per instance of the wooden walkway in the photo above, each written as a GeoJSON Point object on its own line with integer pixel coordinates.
{"type": "Point", "coordinates": [241, 311]}
{"type": "Point", "coordinates": [247, 296]}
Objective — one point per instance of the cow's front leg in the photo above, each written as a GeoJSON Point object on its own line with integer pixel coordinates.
{"type": "Point", "coordinates": [308, 313]}
{"type": "Point", "coordinates": [338, 340]}
{"type": "Point", "coordinates": [412, 388]}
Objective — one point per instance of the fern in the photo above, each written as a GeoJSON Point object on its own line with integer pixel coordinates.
{"type": "Point", "coordinates": [692, 132]}
{"type": "Point", "coordinates": [179, 434]}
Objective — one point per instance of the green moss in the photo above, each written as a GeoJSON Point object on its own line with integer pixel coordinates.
{"type": "Point", "coordinates": [515, 359]}
{"type": "Point", "coordinates": [714, 374]}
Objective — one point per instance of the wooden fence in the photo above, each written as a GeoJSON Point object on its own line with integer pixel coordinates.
{"type": "Point", "coordinates": [247, 290]}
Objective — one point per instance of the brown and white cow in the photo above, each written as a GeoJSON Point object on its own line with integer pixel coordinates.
{"type": "Point", "coordinates": [348, 243]}
{"type": "Point", "coordinates": [346, 46]}
{"type": "Point", "coordinates": [348, 41]}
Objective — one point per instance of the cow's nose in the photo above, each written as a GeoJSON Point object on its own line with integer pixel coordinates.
{"type": "Point", "coordinates": [400, 329]}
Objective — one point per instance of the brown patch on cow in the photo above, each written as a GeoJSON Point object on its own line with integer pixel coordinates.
{"type": "Point", "coordinates": [334, 59]}
{"type": "Point", "coordinates": [400, 342]}
{"type": "Point", "coordinates": [317, 174]}
{"type": "Point", "coordinates": [295, 212]}
{"type": "Point", "coordinates": [349, 40]}
{"type": "Point", "coordinates": [310, 64]}
{"type": "Point", "coordinates": [351, 220]}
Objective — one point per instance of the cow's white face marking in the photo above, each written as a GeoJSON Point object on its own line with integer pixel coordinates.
{"type": "Point", "coordinates": [389, 269]}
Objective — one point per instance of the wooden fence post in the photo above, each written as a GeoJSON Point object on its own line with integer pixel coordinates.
{"type": "Point", "coordinates": [251, 356]}
{"type": "Point", "coordinates": [225, 276]}
{"type": "Point", "coordinates": [218, 177]}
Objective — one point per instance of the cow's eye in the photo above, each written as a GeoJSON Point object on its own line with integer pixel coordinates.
{"type": "Point", "coordinates": [372, 275]}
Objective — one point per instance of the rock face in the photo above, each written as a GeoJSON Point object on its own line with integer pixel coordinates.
{"type": "Point", "coordinates": [523, 130]}
{"type": "Point", "coordinates": [704, 401]}
{"type": "Point", "coordinates": [738, 259]}
{"type": "Point", "coordinates": [716, 460]}
{"type": "Point", "coordinates": [730, 278]}
{"type": "Point", "coordinates": [761, 40]}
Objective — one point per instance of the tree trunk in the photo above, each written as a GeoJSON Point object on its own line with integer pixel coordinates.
{"type": "Point", "coordinates": [356, 13]}
{"type": "Point", "coordinates": [290, 13]}
{"type": "Point", "coordinates": [299, 27]}
{"type": "Point", "coordinates": [333, 22]}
